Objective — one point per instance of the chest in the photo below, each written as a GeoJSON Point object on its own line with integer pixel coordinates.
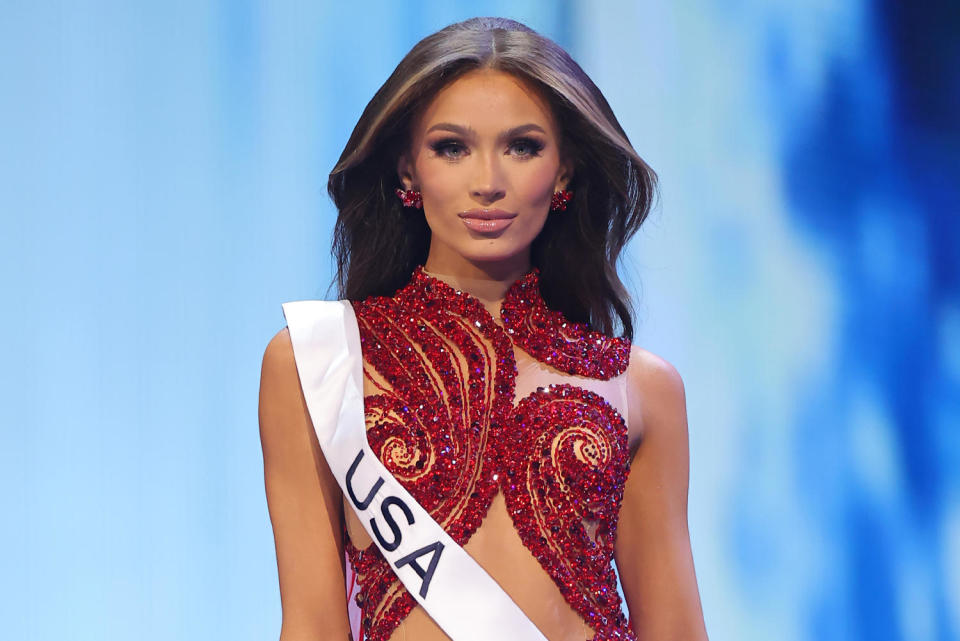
{"type": "Point", "coordinates": [501, 415]}
{"type": "Point", "coordinates": [457, 414]}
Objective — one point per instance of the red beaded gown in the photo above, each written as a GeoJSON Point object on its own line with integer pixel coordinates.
{"type": "Point", "coordinates": [508, 424]}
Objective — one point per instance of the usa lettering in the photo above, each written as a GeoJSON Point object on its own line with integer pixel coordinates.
{"type": "Point", "coordinates": [388, 511]}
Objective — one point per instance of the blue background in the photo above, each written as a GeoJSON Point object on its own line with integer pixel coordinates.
{"type": "Point", "coordinates": [163, 170]}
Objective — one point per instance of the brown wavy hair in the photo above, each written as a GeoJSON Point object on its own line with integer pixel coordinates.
{"type": "Point", "coordinates": [377, 243]}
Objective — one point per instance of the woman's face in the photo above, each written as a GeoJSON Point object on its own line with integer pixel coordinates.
{"type": "Point", "coordinates": [486, 146]}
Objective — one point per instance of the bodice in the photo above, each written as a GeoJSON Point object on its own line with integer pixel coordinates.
{"type": "Point", "coordinates": [441, 375]}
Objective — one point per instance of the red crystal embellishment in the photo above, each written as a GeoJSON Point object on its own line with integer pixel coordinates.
{"type": "Point", "coordinates": [560, 199]}
{"type": "Point", "coordinates": [546, 335]}
{"type": "Point", "coordinates": [410, 197]}
{"type": "Point", "coordinates": [567, 463]}
{"type": "Point", "coordinates": [444, 424]}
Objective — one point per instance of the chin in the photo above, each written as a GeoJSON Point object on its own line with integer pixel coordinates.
{"type": "Point", "coordinates": [493, 252]}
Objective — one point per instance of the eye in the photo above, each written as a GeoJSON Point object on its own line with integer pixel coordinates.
{"type": "Point", "coordinates": [529, 147]}
{"type": "Point", "coordinates": [448, 148]}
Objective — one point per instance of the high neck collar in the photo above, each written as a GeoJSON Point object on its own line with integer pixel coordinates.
{"type": "Point", "coordinates": [524, 291]}
{"type": "Point", "coordinates": [522, 317]}
{"type": "Point", "coordinates": [476, 287]}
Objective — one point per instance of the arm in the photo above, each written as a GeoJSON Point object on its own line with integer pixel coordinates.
{"type": "Point", "coordinates": [652, 548]}
{"type": "Point", "coordinates": [305, 505]}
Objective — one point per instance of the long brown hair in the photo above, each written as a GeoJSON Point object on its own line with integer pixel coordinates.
{"type": "Point", "coordinates": [377, 243]}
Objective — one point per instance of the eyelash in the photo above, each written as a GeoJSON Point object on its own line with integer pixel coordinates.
{"type": "Point", "coordinates": [440, 146]}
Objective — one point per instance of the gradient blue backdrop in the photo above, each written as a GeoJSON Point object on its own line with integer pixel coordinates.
{"type": "Point", "coordinates": [162, 190]}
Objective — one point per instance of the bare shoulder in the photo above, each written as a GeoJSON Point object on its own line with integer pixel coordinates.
{"type": "Point", "coordinates": [304, 501]}
{"type": "Point", "coordinates": [652, 547]}
{"type": "Point", "coordinates": [279, 368]}
{"type": "Point", "coordinates": [279, 351]}
{"type": "Point", "coordinates": [282, 407]}
{"type": "Point", "coordinates": [647, 370]}
{"type": "Point", "coordinates": [656, 394]}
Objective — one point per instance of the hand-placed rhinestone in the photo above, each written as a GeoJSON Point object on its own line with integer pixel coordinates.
{"type": "Point", "coordinates": [444, 424]}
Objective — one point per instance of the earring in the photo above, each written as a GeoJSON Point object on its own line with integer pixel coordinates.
{"type": "Point", "coordinates": [410, 198]}
{"type": "Point", "coordinates": [560, 200]}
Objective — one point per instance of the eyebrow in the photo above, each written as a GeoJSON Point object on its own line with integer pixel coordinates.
{"type": "Point", "coordinates": [470, 131]}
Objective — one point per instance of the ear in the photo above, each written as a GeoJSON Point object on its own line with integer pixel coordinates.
{"type": "Point", "coordinates": [564, 175]}
{"type": "Point", "coordinates": [405, 172]}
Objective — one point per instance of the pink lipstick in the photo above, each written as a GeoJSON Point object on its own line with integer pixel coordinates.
{"type": "Point", "coordinates": [487, 220]}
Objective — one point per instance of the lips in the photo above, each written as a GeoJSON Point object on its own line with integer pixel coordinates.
{"type": "Point", "coordinates": [487, 214]}
{"type": "Point", "coordinates": [487, 220]}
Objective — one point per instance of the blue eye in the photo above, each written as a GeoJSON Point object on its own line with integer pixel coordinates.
{"type": "Point", "coordinates": [451, 149]}
{"type": "Point", "coordinates": [533, 147]}
{"type": "Point", "coordinates": [441, 147]}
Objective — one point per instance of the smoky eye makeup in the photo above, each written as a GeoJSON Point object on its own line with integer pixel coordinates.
{"type": "Point", "coordinates": [454, 148]}
{"type": "Point", "coordinates": [533, 145]}
{"type": "Point", "coordinates": [439, 147]}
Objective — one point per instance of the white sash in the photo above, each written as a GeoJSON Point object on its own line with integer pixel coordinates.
{"type": "Point", "coordinates": [451, 586]}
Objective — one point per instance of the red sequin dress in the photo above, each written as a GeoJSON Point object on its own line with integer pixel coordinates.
{"type": "Point", "coordinates": [441, 375]}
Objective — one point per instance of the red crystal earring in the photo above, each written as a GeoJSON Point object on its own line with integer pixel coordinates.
{"type": "Point", "coordinates": [410, 197]}
{"type": "Point", "coordinates": [560, 200]}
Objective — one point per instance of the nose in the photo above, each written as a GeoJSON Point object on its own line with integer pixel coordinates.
{"type": "Point", "coordinates": [488, 181]}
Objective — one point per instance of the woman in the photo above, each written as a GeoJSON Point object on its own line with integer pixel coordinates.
{"type": "Point", "coordinates": [484, 198]}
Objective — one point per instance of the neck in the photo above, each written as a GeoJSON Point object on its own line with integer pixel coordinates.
{"type": "Point", "coordinates": [487, 283]}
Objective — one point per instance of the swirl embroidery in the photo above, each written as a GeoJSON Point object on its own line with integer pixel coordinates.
{"type": "Point", "coordinates": [443, 423]}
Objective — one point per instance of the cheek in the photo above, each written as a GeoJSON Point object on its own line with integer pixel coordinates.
{"type": "Point", "coordinates": [538, 183]}
{"type": "Point", "coordinates": [442, 191]}
{"type": "Point", "coordinates": [439, 182]}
